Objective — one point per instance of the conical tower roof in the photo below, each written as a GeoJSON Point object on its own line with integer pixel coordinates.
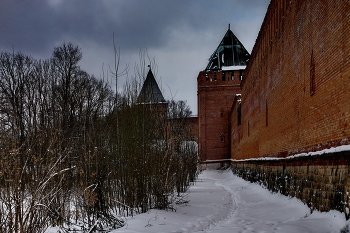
{"type": "Point", "coordinates": [150, 92]}
{"type": "Point", "coordinates": [230, 52]}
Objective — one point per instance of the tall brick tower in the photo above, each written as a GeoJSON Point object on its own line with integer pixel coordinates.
{"type": "Point", "coordinates": [217, 87]}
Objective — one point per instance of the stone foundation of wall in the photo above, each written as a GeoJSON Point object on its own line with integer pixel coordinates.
{"type": "Point", "coordinates": [322, 182]}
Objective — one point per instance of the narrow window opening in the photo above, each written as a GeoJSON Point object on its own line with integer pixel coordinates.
{"type": "Point", "coordinates": [239, 115]}
{"type": "Point", "coordinates": [214, 76]}
{"type": "Point", "coordinates": [206, 77]}
{"type": "Point", "coordinates": [222, 136]}
{"type": "Point", "coordinates": [312, 75]}
{"type": "Point", "coordinates": [248, 129]}
{"type": "Point", "coordinates": [223, 76]}
{"type": "Point", "coordinates": [232, 76]}
{"type": "Point", "coordinates": [240, 75]}
{"type": "Point", "coordinates": [267, 115]}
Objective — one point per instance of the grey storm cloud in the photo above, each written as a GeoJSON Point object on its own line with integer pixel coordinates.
{"type": "Point", "coordinates": [177, 33]}
{"type": "Point", "coordinates": [37, 23]}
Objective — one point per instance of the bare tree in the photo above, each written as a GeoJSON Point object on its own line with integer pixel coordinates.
{"type": "Point", "coordinates": [74, 153]}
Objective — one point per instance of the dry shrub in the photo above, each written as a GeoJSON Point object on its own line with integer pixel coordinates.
{"type": "Point", "coordinates": [76, 155]}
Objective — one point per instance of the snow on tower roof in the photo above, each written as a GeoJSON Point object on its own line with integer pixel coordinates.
{"type": "Point", "coordinates": [229, 53]}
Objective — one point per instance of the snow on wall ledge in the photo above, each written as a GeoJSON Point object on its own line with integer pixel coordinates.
{"type": "Point", "coordinates": [320, 179]}
{"type": "Point", "coordinates": [312, 153]}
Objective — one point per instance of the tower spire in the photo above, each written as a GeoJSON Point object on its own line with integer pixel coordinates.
{"type": "Point", "coordinates": [230, 52]}
{"type": "Point", "coordinates": [150, 92]}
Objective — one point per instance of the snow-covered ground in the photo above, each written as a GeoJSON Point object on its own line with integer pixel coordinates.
{"type": "Point", "coordinates": [222, 202]}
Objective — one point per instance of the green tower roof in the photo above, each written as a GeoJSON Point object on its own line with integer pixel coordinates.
{"type": "Point", "coordinates": [230, 52]}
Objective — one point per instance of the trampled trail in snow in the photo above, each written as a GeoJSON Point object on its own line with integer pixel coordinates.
{"type": "Point", "coordinates": [222, 202]}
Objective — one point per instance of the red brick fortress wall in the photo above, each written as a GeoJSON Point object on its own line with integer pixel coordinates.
{"type": "Point", "coordinates": [216, 91]}
{"type": "Point", "coordinates": [296, 88]}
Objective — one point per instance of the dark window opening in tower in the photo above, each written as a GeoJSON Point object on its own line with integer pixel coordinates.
{"type": "Point", "coordinates": [229, 55]}
{"type": "Point", "coordinates": [267, 114]}
{"type": "Point", "coordinates": [222, 136]}
{"type": "Point", "coordinates": [248, 129]}
{"type": "Point", "coordinates": [239, 114]}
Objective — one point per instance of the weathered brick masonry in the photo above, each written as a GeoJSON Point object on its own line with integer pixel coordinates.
{"type": "Point", "coordinates": [296, 98]}
{"type": "Point", "coordinates": [216, 90]}
{"type": "Point", "coordinates": [217, 85]}
{"type": "Point", "coordinates": [296, 88]}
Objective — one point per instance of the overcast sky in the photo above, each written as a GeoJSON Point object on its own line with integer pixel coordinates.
{"type": "Point", "coordinates": [179, 34]}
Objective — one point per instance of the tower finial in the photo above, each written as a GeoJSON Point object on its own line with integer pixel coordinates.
{"type": "Point", "coordinates": [228, 26]}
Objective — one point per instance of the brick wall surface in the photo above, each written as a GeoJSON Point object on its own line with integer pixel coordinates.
{"type": "Point", "coordinates": [296, 88]}
{"type": "Point", "coordinates": [216, 91]}
{"type": "Point", "coordinates": [189, 123]}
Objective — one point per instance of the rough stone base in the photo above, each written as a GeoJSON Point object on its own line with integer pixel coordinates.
{"type": "Point", "coordinates": [322, 182]}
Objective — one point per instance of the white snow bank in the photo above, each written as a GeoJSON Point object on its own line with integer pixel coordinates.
{"type": "Point", "coordinates": [325, 151]}
{"type": "Point", "coordinates": [222, 202]}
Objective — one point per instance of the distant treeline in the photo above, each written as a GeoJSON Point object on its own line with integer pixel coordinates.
{"type": "Point", "coordinates": [75, 154]}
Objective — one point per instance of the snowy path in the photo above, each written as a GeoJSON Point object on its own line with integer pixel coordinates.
{"type": "Point", "coordinates": [222, 202]}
